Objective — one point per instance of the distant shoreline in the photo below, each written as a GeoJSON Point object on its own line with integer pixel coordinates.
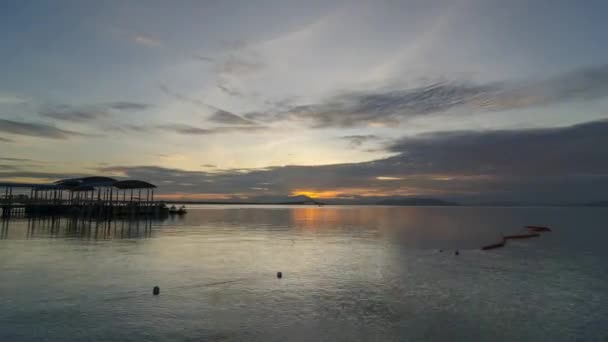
{"type": "Point", "coordinates": [488, 205]}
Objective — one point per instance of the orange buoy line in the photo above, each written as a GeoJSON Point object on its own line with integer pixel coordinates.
{"type": "Point", "coordinates": [522, 236]}
{"type": "Point", "coordinates": [496, 245]}
{"type": "Point", "coordinates": [538, 228]}
{"type": "Point", "coordinates": [533, 232]}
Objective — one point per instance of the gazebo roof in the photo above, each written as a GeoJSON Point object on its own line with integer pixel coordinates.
{"type": "Point", "coordinates": [133, 184]}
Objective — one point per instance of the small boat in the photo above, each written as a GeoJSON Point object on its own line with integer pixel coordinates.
{"type": "Point", "coordinates": [522, 236]}
{"type": "Point", "coordinates": [539, 228]}
{"type": "Point", "coordinates": [495, 245]}
{"type": "Point", "coordinates": [179, 211]}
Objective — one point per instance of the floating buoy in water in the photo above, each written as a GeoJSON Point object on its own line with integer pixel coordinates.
{"type": "Point", "coordinates": [457, 252]}
{"type": "Point", "coordinates": [522, 236]}
{"type": "Point", "coordinates": [156, 290]}
{"type": "Point", "coordinates": [279, 275]}
{"type": "Point", "coordinates": [495, 245]}
{"type": "Point", "coordinates": [539, 228]}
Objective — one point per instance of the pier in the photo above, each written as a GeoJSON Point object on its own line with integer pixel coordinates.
{"type": "Point", "coordinates": [90, 196]}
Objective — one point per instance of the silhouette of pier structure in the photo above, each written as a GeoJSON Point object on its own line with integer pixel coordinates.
{"type": "Point", "coordinates": [88, 196]}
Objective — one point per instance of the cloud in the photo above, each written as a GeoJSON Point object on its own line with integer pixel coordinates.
{"type": "Point", "coordinates": [573, 150]}
{"type": "Point", "coordinates": [129, 106]}
{"type": "Point", "coordinates": [6, 140]}
{"type": "Point", "coordinates": [10, 159]}
{"type": "Point", "coordinates": [185, 98]}
{"type": "Point", "coordinates": [358, 140]}
{"type": "Point", "coordinates": [193, 130]}
{"type": "Point", "coordinates": [41, 176]}
{"type": "Point", "coordinates": [147, 41]}
{"type": "Point", "coordinates": [565, 163]}
{"type": "Point", "coordinates": [548, 164]}
{"type": "Point", "coordinates": [35, 130]}
{"type": "Point", "coordinates": [12, 99]}
{"type": "Point", "coordinates": [90, 113]}
{"type": "Point", "coordinates": [239, 65]}
{"type": "Point", "coordinates": [387, 107]}
{"type": "Point", "coordinates": [219, 115]}
{"type": "Point", "coordinates": [185, 129]}
{"type": "Point", "coordinates": [224, 117]}
{"type": "Point", "coordinates": [228, 90]}
{"type": "Point", "coordinates": [67, 113]}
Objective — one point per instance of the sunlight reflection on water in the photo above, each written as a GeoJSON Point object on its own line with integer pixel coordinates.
{"type": "Point", "coordinates": [350, 273]}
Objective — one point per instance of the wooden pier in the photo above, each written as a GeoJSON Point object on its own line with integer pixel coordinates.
{"type": "Point", "coordinates": [90, 196]}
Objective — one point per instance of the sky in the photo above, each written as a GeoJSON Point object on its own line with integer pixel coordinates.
{"type": "Point", "coordinates": [473, 100]}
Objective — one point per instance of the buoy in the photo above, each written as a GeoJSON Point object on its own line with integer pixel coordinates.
{"type": "Point", "coordinates": [279, 275]}
{"type": "Point", "coordinates": [457, 252]}
{"type": "Point", "coordinates": [441, 251]}
{"type": "Point", "coordinates": [156, 290]}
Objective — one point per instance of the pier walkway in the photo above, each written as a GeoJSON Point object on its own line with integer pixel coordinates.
{"type": "Point", "coordinates": [88, 195]}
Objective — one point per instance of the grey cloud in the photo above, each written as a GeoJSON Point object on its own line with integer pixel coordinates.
{"type": "Point", "coordinates": [35, 130]}
{"type": "Point", "coordinates": [358, 140]}
{"type": "Point", "coordinates": [579, 149]}
{"type": "Point", "coordinates": [67, 113]}
{"type": "Point", "coordinates": [185, 129]}
{"type": "Point", "coordinates": [129, 106]}
{"type": "Point", "coordinates": [228, 90]}
{"type": "Point", "coordinates": [391, 106]}
{"type": "Point", "coordinates": [224, 117]}
{"type": "Point", "coordinates": [193, 130]}
{"type": "Point", "coordinates": [204, 58]}
{"type": "Point", "coordinates": [38, 175]}
{"type": "Point", "coordinates": [188, 99]}
{"type": "Point", "coordinates": [181, 97]}
{"type": "Point", "coordinates": [90, 113]}
{"type": "Point", "coordinates": [10, 159]}
{"type": "Point", "coordinates": [238, 65]}
{"type": "Point", "coordinates": [564, 163]}
{"type": "Point", "coordinates": [6, 140]}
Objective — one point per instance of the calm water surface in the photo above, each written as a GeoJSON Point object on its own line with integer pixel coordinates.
{"type": "Point", "coordinates": [350, 274]}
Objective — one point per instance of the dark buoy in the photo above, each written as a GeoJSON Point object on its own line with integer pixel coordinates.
{"type": "Point", "coordinates": [156, 290]}
{"type": "Point", "coordinates": [457, 252]}
{"type": "Point", "coordinates": [441, 251]}
{"type": "Point", "coordinates": [279, 275]}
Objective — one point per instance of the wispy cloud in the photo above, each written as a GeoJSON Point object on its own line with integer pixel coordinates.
{"type": "Point", "coordinates": [358, 140]}
{"type": "Point", "coordinates": [91, 112]}
{"type": "Point", "coordinates": [35, 130]}
{"type": "Point", "coordinates": [10, 159]}
{"type": "Point", "coordinates": [239, 64]}
{"type": "Point", "coordinates": [224, 117]}
{"type": "Point", "coordinates": [518, 163]}
{"type": "Point", "coordinates": [147, 41]}
{"type": "Point", "coordinates": [6, 140]}
{"type": "Point", "coordinates": [12, 99]}
{"type": "Point", "coordinates": [193, 130]}
{"type": "Point", "coordinates": [392, 106]}
{"type": "Point", "coordinates": [68, 113]}
{"type": "Point", "coordinates": [129, 106]}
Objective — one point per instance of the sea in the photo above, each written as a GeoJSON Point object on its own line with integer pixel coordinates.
{"type": "Point", "coordinates": [349, 273]}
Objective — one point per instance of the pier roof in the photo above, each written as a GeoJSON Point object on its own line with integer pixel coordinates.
{"type": "Point", "coordinates": [83, 184]}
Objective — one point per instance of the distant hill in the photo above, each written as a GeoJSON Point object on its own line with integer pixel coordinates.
{"type": "Point", "coordinates": [290, 200]}
{"type": "Point", "coordinates": [596, 204]}
{"type": "Point", "coordinates": [416, 201]}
